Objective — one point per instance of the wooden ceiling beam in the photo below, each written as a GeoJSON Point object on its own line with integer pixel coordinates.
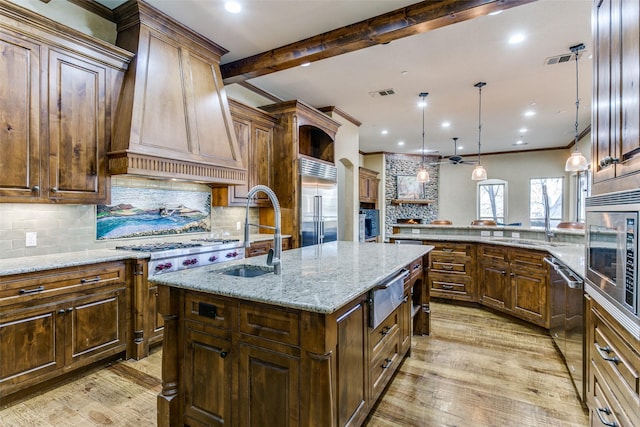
{"type": "Point", "coordinates": [407, 21]}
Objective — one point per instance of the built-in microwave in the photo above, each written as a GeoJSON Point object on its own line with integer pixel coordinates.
{"type": "Point", "coordinates": [612, 254]}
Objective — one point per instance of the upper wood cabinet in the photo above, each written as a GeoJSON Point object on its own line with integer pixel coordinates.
{"type": "Point", "coordinates": [254, 132]}
{"type": "Point", "coordinates": [58, 93]}
{"type": "Point", "coordinates": [368, 186]}
{"type": "Point", "coordinates": [616, 91]}
{"type": "Point", "coordinates": [173, 120]}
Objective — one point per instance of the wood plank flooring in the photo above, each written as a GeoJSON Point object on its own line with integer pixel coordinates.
{"type": "Point", "coordinates": [478, 368]}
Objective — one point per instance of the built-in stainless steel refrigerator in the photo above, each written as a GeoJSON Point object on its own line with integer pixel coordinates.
{"type": "Point", "coordinates": [319, 202]}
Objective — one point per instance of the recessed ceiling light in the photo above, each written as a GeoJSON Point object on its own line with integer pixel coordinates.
{"type": "Point", "coordinates": [523, 130]}
{"type": "Point", "coordinates": [446, 124]}
{"type": "Point", "coordinates": [516, 38]}
{"type": "Point", "coordinates": [400, 143]}
{"type": "Point", "coordinates": [305, 64]}
{"type": "Point", "coordinates": [384, 131]}
{"type": "Point", "coordinates": [495, 12]}
{"type": "Point", "coordinates": [233, 7]}
{"type": "Point", "coordinates": [529, 113]}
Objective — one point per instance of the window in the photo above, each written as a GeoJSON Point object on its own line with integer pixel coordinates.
{"type": "Point", "coordinates": [492, 200]}
{"type": "Point", "coordinates": [554, 188]}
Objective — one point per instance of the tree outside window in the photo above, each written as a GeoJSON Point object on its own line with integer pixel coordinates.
{"type": "Point", "coordinates": [555, 188]}
{"type": "Point", "coordinates": [492, 200]}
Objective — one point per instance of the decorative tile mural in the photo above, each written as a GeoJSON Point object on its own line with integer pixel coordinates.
{"type": "Point", "coordinates": [140, 212]}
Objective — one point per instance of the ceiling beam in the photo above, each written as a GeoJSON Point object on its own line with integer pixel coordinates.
{"type": "Point", "coordinates": [407, 21]}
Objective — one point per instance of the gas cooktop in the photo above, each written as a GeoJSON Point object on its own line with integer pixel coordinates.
{"type": "Point", "coordinates": [212, 240]}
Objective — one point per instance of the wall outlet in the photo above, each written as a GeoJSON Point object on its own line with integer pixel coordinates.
{"type": "Point", "coordinates": [31, 239]}
{"type": "Point", "coordinates": [415, 231]}
{"type": "Point", "coordinates": [238, 225]}
{"type": "Point", "coordinates": [497, 234]}
{"type": "Point", "coordinates": [485, 233]}
{"type": "Point", "coordinates": [515, 234]}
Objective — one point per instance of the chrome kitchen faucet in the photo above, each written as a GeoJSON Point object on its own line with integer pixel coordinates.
{"type": "Point", "coordinates": [275, 253]}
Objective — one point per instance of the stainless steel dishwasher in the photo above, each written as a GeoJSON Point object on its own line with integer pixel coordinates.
{"type": "Point", "coordinates": [567, 319]}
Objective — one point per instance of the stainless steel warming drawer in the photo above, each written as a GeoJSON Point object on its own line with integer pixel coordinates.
{"type": "Point", "coordinates": [386, 297]}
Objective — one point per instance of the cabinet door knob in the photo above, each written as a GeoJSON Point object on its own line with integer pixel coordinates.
{"type": "Point", "coordinates": [35, 188]}
{"type": "Point", "coordinates": [61, 311]}
{"type": "Point", "coordinates": [223, 354]}
{"type": "Point", "coordinates": [54, 189]}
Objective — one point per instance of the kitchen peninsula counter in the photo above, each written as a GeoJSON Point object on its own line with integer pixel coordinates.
{"type": "Point", "coordinates": [308, 347]}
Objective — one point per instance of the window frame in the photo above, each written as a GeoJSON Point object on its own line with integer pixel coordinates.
{"type": "Point", "coordinates": [553, 221]}
{"type": "Point", "coordinates": [487, 182]}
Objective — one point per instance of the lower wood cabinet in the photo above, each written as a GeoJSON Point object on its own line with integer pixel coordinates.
{"type": "Point", "coordinates": [452, 270]}
{"type": "Point", "coordinates": [262, 247]}
{"type": "Point", "coordinates": [239, 363]}
{"type": "Point", "coordinates": [612, 368]}
{"type": "Point", "coordinates": [55, 321]}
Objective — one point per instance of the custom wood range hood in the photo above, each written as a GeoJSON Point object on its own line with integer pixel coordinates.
{"type": "Point", "coordinates": [173, 118]}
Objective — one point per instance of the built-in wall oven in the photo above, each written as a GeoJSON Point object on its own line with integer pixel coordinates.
{"type": "Point", "coordinates": [612, 255]}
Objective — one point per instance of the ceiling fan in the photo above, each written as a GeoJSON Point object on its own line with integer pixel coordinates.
{"type": "Point", "coordinates": [455, 159]}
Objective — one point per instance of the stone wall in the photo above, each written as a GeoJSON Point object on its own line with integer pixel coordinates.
{"type": "Point", "coordinates": [402, 164]}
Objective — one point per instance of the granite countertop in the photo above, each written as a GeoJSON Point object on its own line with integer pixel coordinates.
{"type": "Point", "coordinates": [320, 278]}
{"type": "Point", "coordinates": [67, 259]}
{"type": "Point", "coordinates": [570, 254]}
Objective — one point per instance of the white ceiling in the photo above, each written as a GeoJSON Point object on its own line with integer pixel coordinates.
{"type": "Point", "coordinates": [445, 62]}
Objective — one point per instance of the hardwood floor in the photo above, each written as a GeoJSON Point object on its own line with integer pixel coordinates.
{"type": "Point", "coordinates": [478, 368]}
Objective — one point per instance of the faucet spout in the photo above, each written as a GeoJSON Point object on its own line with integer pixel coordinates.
{"type": "Point", "coordinates": [275, 254]}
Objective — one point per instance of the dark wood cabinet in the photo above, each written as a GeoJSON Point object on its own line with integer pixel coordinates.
{"type": "Point", "coordinates": [515, 281]}
{"type": "Point", "coordinates": [173, 120]}
{"type": "Point", "coordinates": [279, 366]}
{"type": "Point", "coordinates": [301, 131]}
{"type": "Point", "coordinates": [55, 321]}
{"type": "Point", "coordinates": [616, 112]}
{"type": "Point", "coordinates": [58, 106]}
{"type": "Point", "coordinates": [612, 368]}
{"type": "Point", "coordinates": [351, 357]}
{"type": "Point", "coordinates": [254, 132]}
{"type": "Point", "coordinates": [368, 188]}
{"type": "Point", "coordinates": [452, 270]}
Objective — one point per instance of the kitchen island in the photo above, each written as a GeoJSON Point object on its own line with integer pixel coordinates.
{"type": "Point", "coordinates": [296, 349]}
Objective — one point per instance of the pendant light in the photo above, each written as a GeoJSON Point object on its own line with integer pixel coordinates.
{"type": "Point", "coordinates": [423, 175]}
{"type": "Point", "coordinates": [479, 173]}
{"type": "Point", "coordinates": [576, 162]}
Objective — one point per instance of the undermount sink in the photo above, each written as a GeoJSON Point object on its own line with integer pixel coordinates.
{"type": "Point", "coordinates": [246, 270]}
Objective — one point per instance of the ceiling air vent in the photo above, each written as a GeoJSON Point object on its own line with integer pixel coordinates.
{"type": "Point", "coordinates": [382, 92]}
{"type": "Point", "coordinates": [559, 59]}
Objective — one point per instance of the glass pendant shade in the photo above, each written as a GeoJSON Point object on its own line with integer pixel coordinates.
{"type": "Point", "coordinates": [479, 173]}
{"type": "Point", "coordinates": [423, 176]}
{"type": "Point", "coordinates": [576, 163]}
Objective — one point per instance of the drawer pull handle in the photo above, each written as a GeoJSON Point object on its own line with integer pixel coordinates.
{"type": "Point", "coordinates": [607, 411]}
{"type": "Point", "coordinates": [447, 267]}
{"type": "Point", "coordinates": [31, 291]}
{"type": "Point", "coordinates": [387, 363]}
{"type": "Point", "coordinates": [385, 330]}
{"type": "Point", "coordinates": [447, 287]}
{"type": "Point", "coordinates": [95, 279]}
{"type": "Point", "coordinates": [447, 250]}
{"type": "Point", "coordinates": [604, 351]}
{"type": "Point", "coordinates": [223, 354]}
{"type": "Point", "coordinates": [405, 299]}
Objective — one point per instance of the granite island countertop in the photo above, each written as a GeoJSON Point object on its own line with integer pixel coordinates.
{"type": "Point", "coordinates": [320, 278]}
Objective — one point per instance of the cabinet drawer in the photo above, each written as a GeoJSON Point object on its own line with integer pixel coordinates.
{"type": "Point", "coordinates": [451, 283]}
{"type": "Point", "coordinates": [270, 323]}
{"type": "Point", "coordinates": [384, 361]}
{"type": "Point", "coordinates": [451, 248]}
{"type": "Point", "coordinates": [209, 310]}
{"type": "Point", "coordinates": [55, 282]}
{"type": "Point", "coordinates": [415, 268]}
{"type": "Point", "coordinates": [379, 336]}
{"type": "Point", "coordinates": [618, 362]}
{"type": "Point", "coordinates": [451, 265]}
{"type": "Point", "coordinates": [604, 408]}
{"type": "Point", "coordinates": [528, 258]}
{"type": "Point", "coordinates": [490, 252]}
{"type": "Point", "coordinates": [258, 248]}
